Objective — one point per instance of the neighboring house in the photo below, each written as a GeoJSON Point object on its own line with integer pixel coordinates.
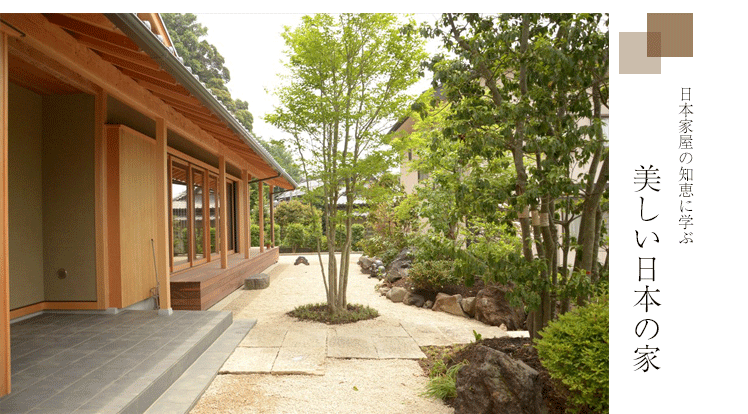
{"type": "Point", "coordinates": [110, 150]}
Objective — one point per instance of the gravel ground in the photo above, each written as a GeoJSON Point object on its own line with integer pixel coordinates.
{"type": "Point", "coordinates": [348, 385]}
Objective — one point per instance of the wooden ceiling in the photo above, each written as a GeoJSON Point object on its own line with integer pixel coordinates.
{"type": "Point", "coordinates": [100, 35]}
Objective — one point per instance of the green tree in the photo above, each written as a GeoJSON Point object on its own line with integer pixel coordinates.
{"type": "Point", "coordinates": [348, 75]}
{"type": "Point", "coordinates": [206, 62]}
{"type": "Point", "coordinates": [519, 84]}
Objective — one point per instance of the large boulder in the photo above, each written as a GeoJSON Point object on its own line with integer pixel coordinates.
{"type": "Point", "coordinates": [449, 304]}
{"type": "Point", "coordinates": [398, 268]}
{"type": "Point", "coordinates": [495, 383]}
{"type": "Point", "coordinates": [492, 308]}
{"type": "Point", "coordinates": [412, 299]}
{"type": "Point", "coordinates": [397, 294]}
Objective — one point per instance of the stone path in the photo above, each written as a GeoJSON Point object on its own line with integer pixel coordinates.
{"type": "Point", "coordinates": [364, 351]}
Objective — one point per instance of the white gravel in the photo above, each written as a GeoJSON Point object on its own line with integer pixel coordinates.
{"type": "Point", "coordinates": [348, 385]}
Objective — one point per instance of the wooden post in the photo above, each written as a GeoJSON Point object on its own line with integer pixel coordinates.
{"type": "Point", "coordinates": [243, 208]}
{"type": "Point", "coordinates": [272, 216]}
{"type": "Point", "coordinates": [261, 223]}
{"type": "Point", "coordinates": [4, 270]}
{"type": "Point", "coordinates": [101, 211]}
{"type": "Point", "coordinates": [223, 217]}
{"type": "Point", "coordinates": [163, 227]}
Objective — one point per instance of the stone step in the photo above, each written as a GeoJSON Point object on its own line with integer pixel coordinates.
{"type": "Point", "coordinates": [187, 390]}
{"type": "Point", "coordinates": [166, 377]}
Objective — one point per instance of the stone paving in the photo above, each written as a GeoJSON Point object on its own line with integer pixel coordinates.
{"type": "Point", "coordinates": [279, 344]}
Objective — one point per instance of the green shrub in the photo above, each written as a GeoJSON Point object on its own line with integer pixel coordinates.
{"type": "Point", "coordinates": [433, 275]}
{"type": "Point", "coordinates": [357, 234]}
{"type": "Point", "coordinates": [295, 236]}
{"type": "Point", "coordinates": [255, 230]}
{"type": "Point", "coordinates": [574, 349]}
{"type": "Point", "coordinates": [443, 385]}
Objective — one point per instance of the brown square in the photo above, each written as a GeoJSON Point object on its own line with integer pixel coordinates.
{"type": "Point", "coordinates": [676, 30]}
{"type": "Point", "coordinates": [654, 44]}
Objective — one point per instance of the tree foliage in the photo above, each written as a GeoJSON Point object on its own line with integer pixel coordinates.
{"type": "Point", "coordinates": [518, 86]}
{"type": "Point", "coordinates": [188, 36]}
{"type": "Point", "coordinates": [348, 74]}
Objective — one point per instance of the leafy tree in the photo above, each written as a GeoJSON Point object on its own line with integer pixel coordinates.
{"type": "Point", "coordinates": [205, 61]}
{"type": "Point", "coordinates": [348, 76]}
{"type": "Point", "coordinates": [294, 211]}
{"type": "Point", "coordinates": [518, 86]}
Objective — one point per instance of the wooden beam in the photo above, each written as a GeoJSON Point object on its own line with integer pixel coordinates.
{"type": "Point", "coordinates": [261, 210]}
{"type": "Point", "coordinates": [172, 93]}
{"type": "Point", "coordinates": [95, 19]}
{"type": "Point", "coordinates": [272, 216]}
{"type": "Point", "coordinates": [243, 208]}
{"type": "Point", "coordinates": [4, 259]}
{"type": "Point", "coordinates": [163, 228]}
{"type": "Point", "coordinates": [77, 26]}
{"type": "Point", "coordinates": [223, 216]}
{"type": "Point", "coordinates": [100, 196]}
{"type": "Point", "coordinates": [24, 52]}
{"type": "Point", "coordinates": [62, 47]}
{"type": "Point", "coordinates": [142, 75]}
{"type": "Point", "coordinates": [141, 58]}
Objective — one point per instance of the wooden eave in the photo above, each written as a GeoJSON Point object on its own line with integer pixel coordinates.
{"type": "Point", "coordinates": [90, 48]}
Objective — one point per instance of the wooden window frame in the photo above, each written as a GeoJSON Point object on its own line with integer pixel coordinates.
{"type": "Point", "coordinates": [191, 164]}
{"type": "Point", "coordinates": [187, 265]}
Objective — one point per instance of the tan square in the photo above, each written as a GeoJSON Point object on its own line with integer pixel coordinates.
{"type": "Point", "coordinates": [676, 30]}
{"type": "Point", "coordinates": [632, 55]}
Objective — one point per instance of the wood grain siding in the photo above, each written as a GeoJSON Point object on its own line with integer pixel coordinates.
{"type": "Point", "coordinates": [138, 214]}
{"type": "Point", "coordinates": [202, 287]}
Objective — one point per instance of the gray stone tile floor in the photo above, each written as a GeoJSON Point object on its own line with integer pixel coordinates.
{"type": "Point", "coordinates": [80, 363]}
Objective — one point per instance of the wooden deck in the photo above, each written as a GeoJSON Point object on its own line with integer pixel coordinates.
{"type": "Point", "coordinates": [202, 287]}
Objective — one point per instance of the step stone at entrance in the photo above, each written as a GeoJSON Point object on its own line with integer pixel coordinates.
{"type": "Point", "coordinates": [258, 281]}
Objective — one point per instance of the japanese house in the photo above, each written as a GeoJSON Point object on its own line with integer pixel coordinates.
{"type": "Point", "coordinates": [121, 175]}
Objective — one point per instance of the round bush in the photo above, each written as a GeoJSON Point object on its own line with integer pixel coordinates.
{"type": "Point", "coordinates": [574, 349]}
{"type": "Point", "coordinates": [433, 275]}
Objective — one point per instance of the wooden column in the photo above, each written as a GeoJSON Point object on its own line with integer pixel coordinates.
{"type": "Point", "coordinates": [223, 216]}
{"type": "Point", "coordinates": [101, 211]}
{"type": "Point", "coordinates": [163, 225]}
{"type": "Point", "coordinates": [261, 223]}
{"type": "Point", "coordinates": [243, 208]}
{"type": "Point", "coordinates": [4, 271]}
{"type": "Point", "coordinates": [272, 217]}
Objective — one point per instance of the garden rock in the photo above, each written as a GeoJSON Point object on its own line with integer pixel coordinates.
{"type": "Point", "coordinates": [412, 299]}
{"type": "Point", "coordinates": [258, 281]}
{"type": "Point", "coordinates": [301, 260]}
{"type": "Point", "coordinates": [366, 265]}
{"type": "Point", "coordinates": [398, 269]}
{"type": "Point", "coordinates": [449, 304]}
{"type": "Point", "coordinates": [492, 308]}
{"type": "Point", "coordinates": [468, 306]}
{"type": "Point", "coordinates": [428, 304]}
{"type": "Point", "coordinates": [397, 294]}
{"type": "Point", "coordinates": [496, 383]}
{"type": "Point", "coordinates": [383, 290]}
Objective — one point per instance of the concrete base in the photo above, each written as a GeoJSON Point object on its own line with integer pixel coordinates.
{"type": "Point", "coordinates": [165, 312]}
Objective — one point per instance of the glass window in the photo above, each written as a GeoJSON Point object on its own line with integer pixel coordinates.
{"type": "Point", "coordinates": [198, 180]}
{"type": "Point", "coordinates": [179, 218]}
{"type": "Point", "coordinates": [214, 204]}
{"type": "Point", "coordinates": [231, 215]}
